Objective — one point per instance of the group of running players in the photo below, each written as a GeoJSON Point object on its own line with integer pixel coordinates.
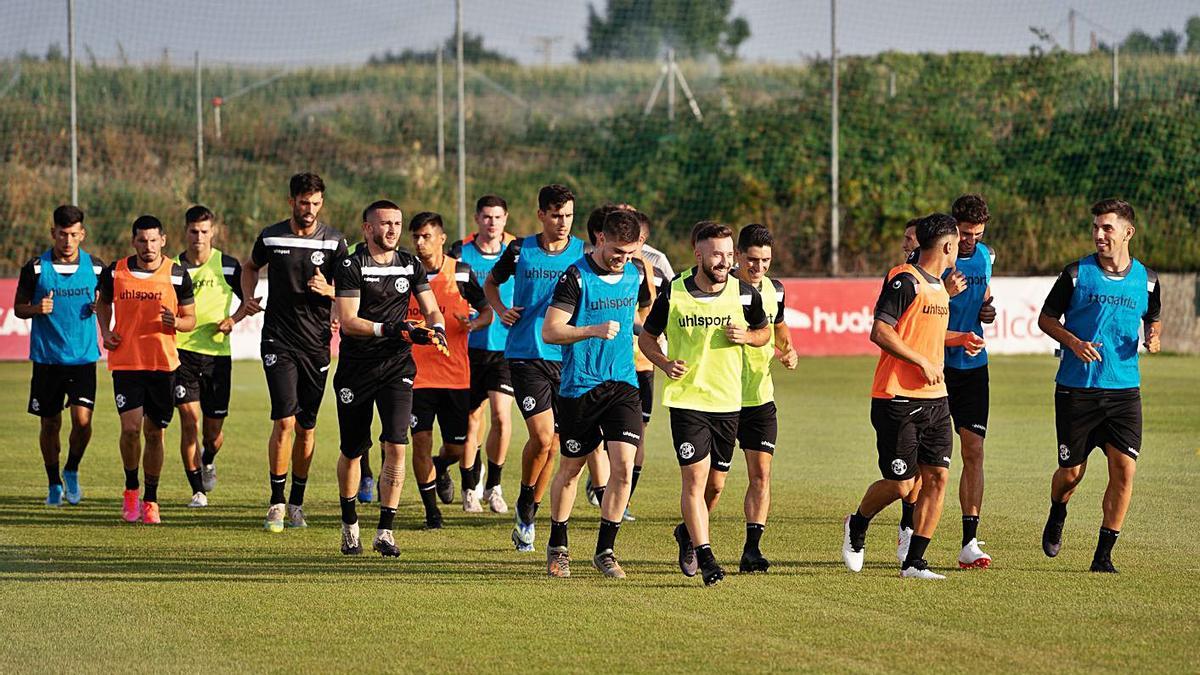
{"type": "Point", "coordinates": [569, 330]}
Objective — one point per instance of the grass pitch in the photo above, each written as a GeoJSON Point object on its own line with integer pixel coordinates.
{"type": "Point", "coordinates": [210, 590]}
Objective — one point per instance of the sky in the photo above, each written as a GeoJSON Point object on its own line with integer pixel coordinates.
{"type": "Point", "coordinates": [349, 31]}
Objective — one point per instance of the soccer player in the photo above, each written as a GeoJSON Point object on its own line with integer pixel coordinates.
{"type": "Point", "coordinates": [57, 290]}
{"type": "Point", "coordinates": [592, 316]}
{"type": "Point", "coordinates": [301, 255]}
{"type": "Point", "coordinates": [758, 426]}
{"type": "Point", "coordinates": [535, 263]}
{"type": "Point", "coordinates": [491, 381]}
{"type": "Point", "coordinates": [144, 300]}
{"type": "Point", "coordinates": [202, 382]}
{"type": "Point", "coordinates": [707, 318]}
{"type": "Point", "coordinates": [658, 270]}
{"type": "Point", "coordinates": [1095, 310]}
{"type": "Point", "coordinates": [442, 390]}
{"type": "Point", "coordinates": [375, 364]}
{"type": "Point", "coordinates": [908, 396]}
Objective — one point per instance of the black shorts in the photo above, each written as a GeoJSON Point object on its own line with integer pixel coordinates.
{"type": "Point", "coordinates": [489, 372]}
{"type": "Point", "coordinates": [295, 382]}
{"type": "Point", "coordinates": [535, 385]}
{"type": "Point", "coordinates": [1085, 419]}
{"type": "Point", "coordinates": [363, 386]}
{"type": "Point", "coordinates": [646, 393]}
{"type": "Point", "coordinates": [204, 378]}
{"type": "Point", "coordinates": [611, 412]}
{"type": "Point", "coordinates": [149, 390]}
{"type": "Point", "coordinates": [758, 428]}
{"type": "Point", "coordinates": [911, 432]}
{"type": "Point", "coordinates": [449, 406]}
{"type": "Point", "coordinates": [52, 383]}
{"type": "Point", "coordinates": [697, 435]}
{"type": "Point", "coordinates": [968, 392]}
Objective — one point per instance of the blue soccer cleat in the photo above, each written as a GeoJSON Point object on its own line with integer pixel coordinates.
{"type": "Point", "coordinates": [54, 497]}
{"type": "Point", "coordinates": [74, 493]}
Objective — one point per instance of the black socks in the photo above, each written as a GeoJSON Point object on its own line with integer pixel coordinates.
{"type": "Point", "coordinates": [150, 494]}
{"type": "Point", "coordinates": [906, 514]}
{"type": "Point", "coordinates": [608, 535]}
{"type": "Point", "coordinates": [386, 518]}
{"type": "Point", "coordinates": [558, 533]}
{"type": "Point", "coordinates": [493, 475]}
{"type": "Point", "coordinates": [193, 478]}
{"type": "Point", "coordinates": [754, 533]}
{"type": "Point", "coordinates": [277, 483]}
{"type": "Point", "coordinates": [1104, 547]}
{"type": "Point", "coordinates": [916, 550]}
{"type": "Point", "coordinates": [970, 528]}
{"type": "Point", "coordinates": [296, 497]}
{"type": "Point", "coordinates": [131, 479]}
{"type": "Point", "coordinates": [526, 508]}
{"type": "Point", "coordinates": [349, 509]}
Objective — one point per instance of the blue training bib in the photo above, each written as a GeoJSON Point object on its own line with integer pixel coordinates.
{"type": "Point", "coordinates": [964, 307]}
{"type": "Point", "coordinates": [66, 336]}
{"type": "Point", "coordinates": [534, 281]}
{"type": "Point", "coordinates": [1106, 310]}
{"type": "Point", "coordinates": [495, 335]}
{"type": "Point", "coordinates": [591, 362]}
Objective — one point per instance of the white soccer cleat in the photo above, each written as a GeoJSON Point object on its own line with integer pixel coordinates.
{"type": "Point", "coordinates": [470, 502]}
{"type": "Point", "coordinates": [852, 558]}
{"type": "Point", "coordinates": [295, 516]}
{"type": "Point", "coordinates": [274, 522]}
{"type": "Point", "coordinates": [479, 483]}
{"type": "Point", "coordinates": [973, 557]}
{"type": "Point", "coordinates": [903, 539]}
{"type": "Point", "coordinates": [919, 572]}
{"type": "Point", "coordinates": [351, 544]}
{"type": "Point", "coordinates": [208, 476]}
{"type": "Point", "coordinates": [199, 501]}
{"type": "Point", "coordinates": [495, 500]}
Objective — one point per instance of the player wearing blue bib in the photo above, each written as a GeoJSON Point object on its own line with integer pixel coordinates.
{"type": "Point", "coordinates": [57, 290]}
{"type": "Point", "coordinates": [535, 263]}
{"type": "Point", "coordinates": [592, 315]}
{"type": "Point", "coordinates": [1106, 298]}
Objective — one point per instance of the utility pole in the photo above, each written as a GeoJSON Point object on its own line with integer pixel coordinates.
{"type": "Point", "coordinates": [74, 115]}
{"type": "Point", "coordinates": [1116, 77]}
{"type": "Point", "coordinates": [1071, 28]}
{"type": "Point", "coordinates": [671, 85]}
{"type": "Point", "coordinates": [462, 124]}
{"type": "Point", "coordinates": [545, 45]}
{"type": "Point", "coordinates": [199, 128]}
{"type": "Point", "coordinates": [834, 233]}
{"type": "Point", "coordinates": [441, 115]}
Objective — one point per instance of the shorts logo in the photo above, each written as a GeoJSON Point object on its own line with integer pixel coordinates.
{"type": "Point", "coordinates": [346, 262]}
{"type": "Point", "coordinates": [401, 285]}
{"type": "Point", "coordinates": [632, 435]}
{"type": "Point", "coordinates": [505, 387]}
{"type": "Point", "coordinates": [572, 445]}
{"type": "Point", "coordinates": [1064, 453]}
{"type": "Point", "coordinates": [345, 395]}
{"type": "Point", "coordinates": [317, 257]}
{"type": "Point", "coordinates": [768, 444]}
{"type": "Point", "coordinates": [899, 466]}
{"type": "Point", "coordinates": [528, 403]}
{"type": "Point", "coordinates": [269, 360]}
{"type": "Point", "coordinates": [34, 405]}
{"type": "Point", "coordinates": [180, 391]}
{"type": "Point", "coordinates": [687, 451]}
{"type": "Point", "coordinates": [120, 401]}
{"type": "Point", "coordinates": [413, 423]}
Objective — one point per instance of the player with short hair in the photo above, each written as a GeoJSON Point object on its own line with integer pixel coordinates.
{"type": "Point", "coordinates": [658, 270]}
{"type": "Point", "coordinates": [535, 263]}
{"type": "Point", "coordinates": [302, 255]}
{"type": "Point", "coordinates": [1095, 310]}
{"type": "Point", "coordinates": [57, 290]}
{"type": "Point", "coordinates": [707, 318]}
{"type": "Point", "coordinates": [442, 389]}
{"type": "Point", "coordinates": [202, 381]}
{"type": "Point", "coordinates": [909, 410]}
{"type": "Point", "coordinates": [145, 300]}
{"type": "Point", "coordinates": [375, 364]}
{"type": "Point", "coordinates": [592, 315]}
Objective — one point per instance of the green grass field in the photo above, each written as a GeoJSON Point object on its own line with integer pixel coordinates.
{"type": "Point", "coordinates": [210, 590]}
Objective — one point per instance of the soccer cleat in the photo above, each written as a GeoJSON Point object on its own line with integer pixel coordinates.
{"type": "Point", "coordinates": [712, 573]}
{"type": "Point", "coordinates": [919, 570]}
{"type": "Point", "coordinates": [444, 485]}
{"type": "Point", "coordinates": [73, 493]}
{"type": "Point", "coordinates": [523, 536]}
{"type": "Point", "coordinates": [606, 562]}
{"type": "Point", "coordinates": [627, 516]}
{"type": "Point", "coordinates": [470, 502]}
{"type": "Point", "coordinates": [687, 554]}
{"type": "Point", "coordinates": [131, 506]}
{"type": "Point", "coordinates": [592, 497]}
{"type": "Point", "coordinates": [558, 562]}
{"type": "Point", "coordinates": [853, 557]}
{"type": "Point", "coordinates": [150, 513]}
{"type": "Point", "coordinates": [753, 561]}
{"type": "Point", "coordinates": [199, 501]}
{"type": "Point", "coordinates": [366, 490]}
{"type": "Point", "coordinates": [1103, 566]}
{"type": "Point", "coordinates": [208, 477]}
{"type": "Point", "coordinates": [274, 522]}
{"type": "Point", "coordinates": [295, 516]}
{"type": "Point", "coordinates": [973, 557]}
{"type": "Point", "coordinates": [495, 500]}
{"type": "Point", "coordinates": [1052, 537]}
{"type": "Point", "coordinates": [54, 496]}
{"type": "Point", "coordinates": [433, 521]}
{"type": "Point", "coordinates": [903, 539]}
{"type": "Point", "coordinates": [351, 545]}
{"type": "Point", "coordinates": [385, 544]}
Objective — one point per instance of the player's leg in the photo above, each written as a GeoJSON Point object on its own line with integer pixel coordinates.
{"type": "Point", "coordinates": [424, 412]}
{"type": "Point", "coordinates": [692, 433]}
{"type": "Point", "coordinates": [78, 440]}
{"type": "Point", "coordinates": [158, 411]}
{"type": "Point", "coordinates": [498, 436]}
{"type": "Point", "coordinates": [212, 440]}
{"type": "Point", "coordinates": [756, 507]}
{"type": "Point", "coordinates": [452, 415]}
{"type": "Point", "coordinates": [214, 404]}
{"type": "Point", "coordinates": [129, 399]}
{"type": "Point", "coordinates": [395, 403]}
{"type": "Point", "coordinates": [354, 414]}
{"type": "Point", "coordinates": [896, 449]}
{"type": "Point", "coordinates": [1123, 443]}
{"type": "Point", "coordinates": [189, 449]}
{"type": "Point", "coordinates": [1076, 419]}
{"type": "Point", "coordinates": [933, 456]}
{"type": "Point", "coordinates": [281, 374]}
{"type": "Point", "coordinates": [312, 370]}
{"type": "Point", "coordinates": [969, 400]}
{"type": "Point", "coordinates": [562, 497]}
{"type": "Point", "coordinates": [598, 471]}
{"type": "Point", "coordinates": [48, 440]}
{"type": "Point", "coordinates": [646, 395]}
{"type": "Point", "coordinates": [45, 402]}
{"type": "Point", "coordinates": [714, 488]}
{"type": "Point", "coordinates": [621, 423]}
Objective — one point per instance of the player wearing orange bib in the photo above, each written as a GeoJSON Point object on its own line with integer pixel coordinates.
{"type": "Point", "coordinates": [908, 396]}
{"type": "Point", "coordinates": [150, 297]}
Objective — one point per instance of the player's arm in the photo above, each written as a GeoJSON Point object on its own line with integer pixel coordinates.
{"type": "Point", "coordinates": [784, 351]}
{"type": "Point", "coordinates": [252, 304]}
{"type": "Point", "coordinates": [183, 319]}
{"type": "Point", "coordinates": [231, 268]}
{"type": "Point", "coordinates": [104, 309]}
{"type": "Point", "coordinates": [969, 341]}
{"type": "Point", "coordinates": [655, 324]}
{"type": "Point", "coordinates": [1152, 325]}
{"type": "Point", "coordinates": [987, 311]}
{"type": "Point", "coordinates": [557, 328]}
{"type": "Point", "coordinates": [897, 294]}
{"type": "Point", "coordinates": [472, 292]}
{"type": "Point", "coordinates": [505, 267]}
{"type": "Point", "coordinates": [758, 330]}
{"type": "Point", "coordinates": [352, 323]}
{"type": "Point", "coordinates": [23, 305]}
{"type": "Point", "coordinates": [1050, 320]}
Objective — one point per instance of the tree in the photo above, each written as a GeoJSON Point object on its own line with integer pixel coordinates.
{"type": "Point", "coordinates": [473, 52]}
{"type": "Point", "coordinates": [643, 29]}
{"type": "Point", "coordinates": [1192, 29]}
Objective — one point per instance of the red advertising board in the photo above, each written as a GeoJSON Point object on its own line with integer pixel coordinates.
{"type": "Point", "coordinates": [831, 316]}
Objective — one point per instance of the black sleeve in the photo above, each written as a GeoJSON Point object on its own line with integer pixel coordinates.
{"type": "Point", "coordinates": [420, 278]}
{"type": "Point", "coordinates": [96, 262]}
{"type": "Point", "coordinates": [506, 266]}
{"type": "Point", "coordinates": [341, 252]}
{"type": "Point", "coordinates": [567, 291]}
{"type": "Point", "coordinates": [349, 279]}
{"type": "Point", "coordinates": [470, 289]}
{"type": "Point", "coordinates": [258, 254]}
{"type": "Point", "coordinates": [752, 307]}
{"type": "Point", "coordinates": [643, 284]}
{"type": "Point", "coordinates": [897, 294]}
{"type": "Point", "coordinates": [1154, 307]}
{"type": "Point", "coordinates": [106, 283]}
{"type": "Point", "coordinates": [26, 284]}
{"type": "Point", "coordinates": [656, 320]}
{"type": "Point", "coordinates": [456, 250]}
{"type": "Point", "coordinates": [1059, 299]}
{"type": "Point", "coordinates": [779, 300]}
{"type": "Point", "coordinates": [184, 293]}
{"type": "Point", "coordinates": [233, 276]}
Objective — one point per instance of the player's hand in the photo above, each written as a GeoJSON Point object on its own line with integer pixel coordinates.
{"type": "Point", "coordinates": [317, 284]}
{"type": "Point", "coordinates": [676, 369]}
{"type": "Point", "coordinates": [168, 317]}
{"type": "Point", "coordinates": [438, 339]}
{"type": "Point", "coordinates": [335, 326]}
{"type": "Point", "coordinates": [1086, 351]}
{"type": "Point", "coordinates": [1152, 343]}
{"type": "Point", "coordinates": [789, 359]}
{"type": "Point", "coordinates": [226, 325]}
{"type": "Point", "coordinates": [511, 316]}
{"type": "Point", "coordinates": [251, 306]}
{"type": "Point", "coordinates": [956, 283]}
{"type": "Point", "coordinates": [46, 305]}
{"type": "Point", "coordinates": [606, 331]}
{"type": "Point", "coordinates": [737, 334]}
{"type": "Point", "coordinates": [933, 373]}
{"type": "Point", "coordinates": [465, 321]}
{"type": "Point", "coordinates": [987, 313]}
{"type": "Point", "coordinates": [973, 344]}
{"type": "Point", "coordinates": [112, 340]}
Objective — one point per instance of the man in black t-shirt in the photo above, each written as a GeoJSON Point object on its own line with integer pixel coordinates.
{"type": "Point", "coordinates": [302, 255]}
